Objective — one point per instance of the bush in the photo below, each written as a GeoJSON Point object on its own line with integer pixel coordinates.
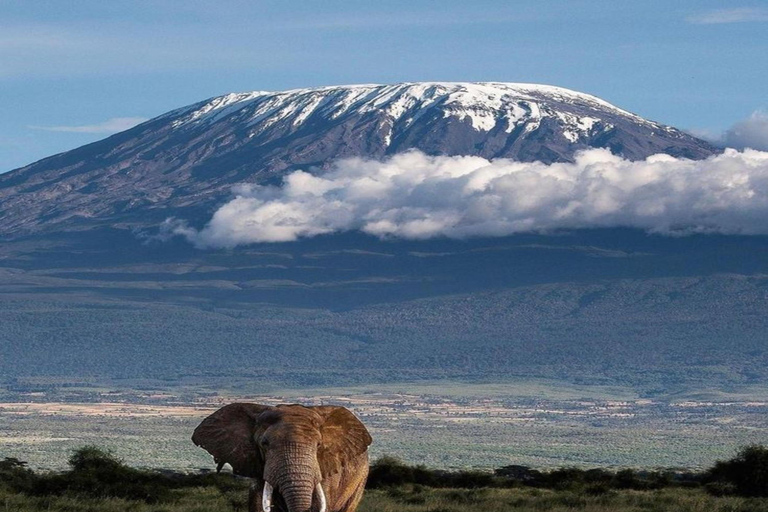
{"type": "Point", "coordinates": [15, 475]}
{"type": "Point", "coordinates": [97, 473]}
{"type": "Point", "coordinates": [597, 489]}
{"type": "Point", "coordinates": [745, 475]}
{"type": "Point", "coordinates": [521, 474]}
{"type": "Point", "coordinates": [721, 488]}
{"type": "Point", "coordinates": [625, 479]}
{"type": "Point", "coordinates": [389, 471]}
{"type": "Point", "coordinates": [467, 479]}
{"type": "Point", "coordinates": [565, 478]}
{"type": "Point", "coordinates": [92, 458]}
{"type": "Point", "coordinates": [598, 476]}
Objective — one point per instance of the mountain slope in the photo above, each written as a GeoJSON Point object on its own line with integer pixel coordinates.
{"type": "Point", "coordinates": [661, 334]}
{"type": "Point", "coordinates": [595, 306]}
{"type": "Point", "coordinates": [184, 162]}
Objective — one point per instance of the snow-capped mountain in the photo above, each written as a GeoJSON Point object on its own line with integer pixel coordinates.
{"type": "Point", "coordinates": [184, 162]}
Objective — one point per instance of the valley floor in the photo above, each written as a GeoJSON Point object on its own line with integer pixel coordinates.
{"type": "Point", "coordinates": [442, 425]}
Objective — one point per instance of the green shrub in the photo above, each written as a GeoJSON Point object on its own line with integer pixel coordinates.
{"type": "Point", "coordinates": [721, 488]}
{"type": "Point", "coordinates": [745, 475]}
{"type": "Point", "coordinates": [625, 479]}
{"type": "Point", "coordinates": [520, 474]}
{"type": "Point", "coordinates": [97, 473]}
{"type": "Point", "coordinates": [389, 471]}
{"type": "Point", "coordinates": [597, 489]}
{"type": "Point", "coordinates": [565, 478]}
{"type": "Point", "coordinates": [93, 458]}
{"type": "Point", "coordinates": [598, 476]}
{"type": "Point", "coordinates": [15, 475]}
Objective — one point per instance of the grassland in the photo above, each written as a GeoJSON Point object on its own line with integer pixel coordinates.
{"type": "Point", "coordinates": [543, 424]}
{"type": "Point", "coordinates": [418, 499]}
{"type": "Point", "coordinates": [529, 500]}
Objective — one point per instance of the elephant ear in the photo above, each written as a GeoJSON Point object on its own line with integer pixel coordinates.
{"type": "Point", "coordinates": [228, 435]}
{"type": "Point", "coordinates": [344, 437]}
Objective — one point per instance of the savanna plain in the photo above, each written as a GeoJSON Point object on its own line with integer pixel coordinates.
{"type": "Point", "coordinates": [440, 426]}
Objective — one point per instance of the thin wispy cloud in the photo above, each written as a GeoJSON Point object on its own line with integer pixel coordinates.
{"type": "Point", "coordinates": [71, 49]}
{"type": "Point", "coordinates": [736, 15]}
{"type": "Point", "coordinates": [114, 125]}
{"type": "Point", "coordinates": [415, 196]}
{"type": "Point", "coordinates": [402, 20]}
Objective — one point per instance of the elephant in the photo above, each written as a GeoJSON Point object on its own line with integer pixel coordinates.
{"type": "Point", "coordinates": [300, 458]}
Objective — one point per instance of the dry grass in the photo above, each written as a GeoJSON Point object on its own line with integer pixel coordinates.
{"type": "Point", "coordinates": [189, 500]}
{"type": "Point", "coordinates": [529, 500]}
{"type": "Point", "coordinates": [418, 499]}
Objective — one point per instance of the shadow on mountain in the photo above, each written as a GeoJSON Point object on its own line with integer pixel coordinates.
{"type": "Point", "coordinates": [346, 271]}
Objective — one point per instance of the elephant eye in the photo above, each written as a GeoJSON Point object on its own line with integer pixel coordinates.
{"type": "Point", "coordinates": [264, 442]}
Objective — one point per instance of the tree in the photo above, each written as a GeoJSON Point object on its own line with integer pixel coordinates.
{"type": "Point", "coordinates": [745, 475]}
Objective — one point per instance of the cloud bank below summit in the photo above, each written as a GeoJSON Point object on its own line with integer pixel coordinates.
{"type": "Point", "coordinates": [751, 132]}
{"type": "Point", "coordinates": [416, 196]}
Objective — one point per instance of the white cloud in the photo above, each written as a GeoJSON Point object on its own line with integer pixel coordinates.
{"type": "Point", "coordinates": [748, 133]}
{"type": "Point", "coordinates": [415, 196]}
{"type": "Point", "coordinates": [735, 15]}
{"type": "Point", "coordinates": [114, 125]}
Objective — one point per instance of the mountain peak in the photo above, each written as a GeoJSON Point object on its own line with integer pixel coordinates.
{"type": "Point", "coordinates": [185, 162]}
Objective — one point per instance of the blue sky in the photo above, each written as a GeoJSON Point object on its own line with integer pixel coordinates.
{"type": "Point", "coordinates": [74, 72]}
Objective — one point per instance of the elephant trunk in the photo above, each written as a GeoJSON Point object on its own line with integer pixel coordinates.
{"type": "Point", "coordinates": [297, 497]}
{"type": "Point", "coordinates": [296, 479]}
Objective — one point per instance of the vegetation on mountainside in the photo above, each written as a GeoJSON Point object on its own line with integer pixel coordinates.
{"type": "Point", "coordinates": [619, 332]}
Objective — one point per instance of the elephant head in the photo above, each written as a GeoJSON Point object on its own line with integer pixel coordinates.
{"type": "Point", "coordinates": [291, 449]}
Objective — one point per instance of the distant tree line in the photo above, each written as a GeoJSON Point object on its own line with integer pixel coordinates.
{"type": "Point", "coordinates": [97, 473]}
{"type": "Point", "coordinates": [744, 475]}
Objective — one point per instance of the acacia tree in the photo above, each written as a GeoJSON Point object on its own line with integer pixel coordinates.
{"type": "Point", "coordinates": [746, 474]}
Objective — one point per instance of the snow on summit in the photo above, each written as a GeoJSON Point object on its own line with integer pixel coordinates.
{"type": "Point", "coordinates": [485, 105]}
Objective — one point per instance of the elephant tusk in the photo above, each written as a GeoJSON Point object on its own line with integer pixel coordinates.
{"type": "Point", "coordinates": [321, 496]}
{"type": "Point", "coordinates": [266, 498]}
